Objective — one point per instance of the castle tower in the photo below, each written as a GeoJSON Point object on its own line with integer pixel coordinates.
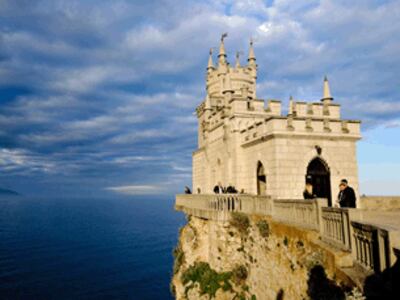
{"type": "Point", "coordinates": [238, 133]}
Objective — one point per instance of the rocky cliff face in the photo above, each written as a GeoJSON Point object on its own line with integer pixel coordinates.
{"type": "Point", "coordinates": [253, 258]}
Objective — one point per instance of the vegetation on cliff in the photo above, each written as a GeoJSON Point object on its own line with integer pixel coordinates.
{"type": "Point", "coordinates": [209, 280]}
{"type": "Point", "coordinates": [240, 274]}
{"type": "Point", "coordinates": [240, 221]}
{"type": "Point", "coordinates": [263, 228]}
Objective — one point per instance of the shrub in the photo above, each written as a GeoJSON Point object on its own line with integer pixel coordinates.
{"type": "Point", "coordinates": [240, 221]}
{"type": "Point", "coordinates": [286, 241]}
{"type": "Point", "coordinates": [263, 228]}
{"type": "Point", "coordinates": [240, 274]}
{"type": "Point", "coordinates": [208, 279]}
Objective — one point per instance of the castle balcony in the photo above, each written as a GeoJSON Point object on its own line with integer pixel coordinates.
{"type": "Point", "coordinates": [220, 206]}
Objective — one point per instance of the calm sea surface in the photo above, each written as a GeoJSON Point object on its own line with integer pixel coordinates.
{"type": "Point", "coordinates": [87, 248]}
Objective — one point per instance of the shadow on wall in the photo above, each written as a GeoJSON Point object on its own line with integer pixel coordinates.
{"type": "Point", "coordinates": [320, 287]}
{"type": "Point", "coordinates": [385, 285]}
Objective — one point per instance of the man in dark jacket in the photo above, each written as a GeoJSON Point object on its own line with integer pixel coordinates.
{"type": "Point", "coordinates": [219, 189]}
{"type": "Point", "coordinates": [346, 197]}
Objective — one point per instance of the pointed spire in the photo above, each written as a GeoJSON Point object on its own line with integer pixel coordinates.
{"type": "Point", "coordinates": [222, 54]}
{"type": "Point", "coordinates": [252, 56]}
{"type": "Point", "coordinates": [290, 106]}
{"type": "Point", "coordinates": [327, 92]}
{"type": "Point", "coordinates": [210, 61]}
{"type": "Point", "coordinates": [237, 64]}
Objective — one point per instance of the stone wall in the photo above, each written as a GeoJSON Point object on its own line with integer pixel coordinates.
{"type": "Point", "coordinates": [380, 202]}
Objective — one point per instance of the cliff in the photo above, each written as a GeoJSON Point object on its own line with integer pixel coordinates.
{"type": "Point", "coordinates": [254, 257]}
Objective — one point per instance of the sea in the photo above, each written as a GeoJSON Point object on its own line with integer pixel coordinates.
{"type": "Point", "coordinates": [92, 248]}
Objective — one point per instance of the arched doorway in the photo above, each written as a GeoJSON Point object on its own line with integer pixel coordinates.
{"type": "Point", "coordinates": [318, 173]}
{"type": "Point", "coordinates": [261, 179]}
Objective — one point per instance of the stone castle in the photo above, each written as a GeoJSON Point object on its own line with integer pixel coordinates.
{"type": "Point", "coordinates": [254, 147]}
{"type": "Point", "coordinates": [267, 242]}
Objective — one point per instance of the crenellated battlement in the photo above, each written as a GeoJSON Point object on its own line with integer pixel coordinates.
{"type": "Point", "coordinates": [298, 126]}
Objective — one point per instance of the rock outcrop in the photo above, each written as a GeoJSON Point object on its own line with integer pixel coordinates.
{"type": "Point", "coordinates": [253, 257]}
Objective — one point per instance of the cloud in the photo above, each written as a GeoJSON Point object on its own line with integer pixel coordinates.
{"type": "Point", "coordinates": [103, 93]}
{"type": "Point", "coordinates": [136, 189]}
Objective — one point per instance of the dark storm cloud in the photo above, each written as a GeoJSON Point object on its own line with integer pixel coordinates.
{"type": "Point", "coordinates": [99, 95]}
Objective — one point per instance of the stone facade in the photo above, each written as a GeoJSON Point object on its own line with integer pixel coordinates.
{"type": "Point", "coordinates": [238, 135]}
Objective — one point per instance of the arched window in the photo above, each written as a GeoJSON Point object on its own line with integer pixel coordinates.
{"type": "Point", "coordinates": [319, 175]}
{"type": "Point", "coordinates": [261, 179]}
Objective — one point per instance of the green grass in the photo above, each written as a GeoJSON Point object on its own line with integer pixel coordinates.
{"type": "Point", "coordinates": [208, 279]}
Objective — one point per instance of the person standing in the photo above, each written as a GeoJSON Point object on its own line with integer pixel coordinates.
{"type": "Point", "coordinates": [347, 196]}
{"type": "Point", "coordinates": [308, 190]}
{"type": "Point", "coordinates": [219, 189]}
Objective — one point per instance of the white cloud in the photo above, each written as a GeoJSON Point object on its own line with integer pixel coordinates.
{"type": "Point", "coordinates": [136, 189]}
{"type": "Point", "coordinates": [104, 84]}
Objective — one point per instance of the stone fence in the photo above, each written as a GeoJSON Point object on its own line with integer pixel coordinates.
{"type": "Point", "coordinates": [302, 213]}
{"type": "Point", "coordinates": [371, 246]}
{"type": "Point", "coordinates": [380, 202]}
{"type": "Point", "coordinates": [335, 227]}
{"type": "Point", "coordinates": [219, 206]}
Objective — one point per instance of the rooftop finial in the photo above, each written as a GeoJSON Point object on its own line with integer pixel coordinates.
{"type": "Point", "coordinates": [327, 92]}
{"type": "Point", "coordinates": [222, 54]}
{"type": "Point", "coordinates": [210, 60]}
{"type": "Point", "coordinates": [224, 35]}
{"type": "Point", "coordinates": [238, 53]}
{"type": "Point", "coordinates": [290, 106]}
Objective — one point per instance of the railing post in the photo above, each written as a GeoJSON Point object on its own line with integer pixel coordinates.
{"type": "Point", "coordinates": [346, 228]}
{"type": "Point", "coordinates": [319, 203]}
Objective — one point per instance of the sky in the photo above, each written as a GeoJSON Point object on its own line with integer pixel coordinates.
{"type": "Point", "coordinates": [97, 97]}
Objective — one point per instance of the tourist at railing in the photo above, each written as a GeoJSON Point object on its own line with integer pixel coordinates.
{"type": "Point", "coordinates": [346, 197]}
{"type": "Point", "coordinates": [187, 190]}
{"type": "Point", "coordinates": [231, 190]}
{"type": "Point", "coordinates": [308, 190]}
{"type": "Point", "coordinates": [219, 189]}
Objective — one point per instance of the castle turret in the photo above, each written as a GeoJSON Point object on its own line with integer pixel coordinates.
{"type": "Point", "coordinates": [252, 65]}
{"type": "Point", "coordinates": [252, 57]}
{"type": "Point", "coordinates": [237, 64]}
{"type": "Point", "coordinates": [210, 65]}
{"type": "Point", "coordinates": [222, 54]}
{"type": "Point", "coordinates": [327, 98]}
{"type": "Point", "coordinates": [291, 110]}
